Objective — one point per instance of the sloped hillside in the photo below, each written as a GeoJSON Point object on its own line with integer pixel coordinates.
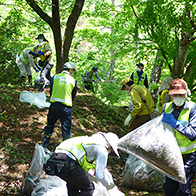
{"type": "Point", "coordinates": [21, 127]}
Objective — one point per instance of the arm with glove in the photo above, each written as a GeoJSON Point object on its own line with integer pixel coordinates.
{"type": "Point", "coordinates": [188, 131]}
{"type": "Point", "coordinates": [32, 62]}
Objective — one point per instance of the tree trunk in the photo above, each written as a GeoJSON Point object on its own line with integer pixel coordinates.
{"type": "Point", "coordinates": [57, 34]}
{"type": "Point", "coordinates": [62, 49]}
{"type": "Point", "coordinates": [180, 59]}
{"type": "Point", "coordinates": [69, 31]}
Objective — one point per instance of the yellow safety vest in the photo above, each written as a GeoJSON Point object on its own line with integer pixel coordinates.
{"type": "Point", "coordinates": [63, 85]}
{"type": "Point", "coordinates": [75, 147]}
{"type": "Point", "coordinates": [136, 78]}
{"type": "Point", "coordinates": [23, 59]}
{"type": "Point", "coordinates": [42, 48]}
{"type": "Point", "coordinates": [186, 146]}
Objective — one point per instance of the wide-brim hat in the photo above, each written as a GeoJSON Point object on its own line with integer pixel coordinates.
{"type": "Point", "coordinates": [125, 81]}
{"type": "Point", "coordinates": [178, 86]}
{"type": "Point", "coordinates": [112, 140]}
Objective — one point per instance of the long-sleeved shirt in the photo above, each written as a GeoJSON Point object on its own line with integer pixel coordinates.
{"type": "Point", "coordinates": [30, 57]}
{"type": "Point", "coordinates": [88, 77]}
{"type": "Point", "coordinates": [95, 151]}
{"type": "Point", "coordinates": [190, 130]}
{"type": "Point", "coordinates": [139, 107]}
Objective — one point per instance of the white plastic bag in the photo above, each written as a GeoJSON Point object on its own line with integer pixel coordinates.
{"type": "Point", "coordinates": [155, 143]}
{"type": "Point", "coordinates": [141, 176]}
{"type": "Point", "coordinates": [38, 99]}
{"type": "Point", "coordinates": [35, 172]}
{"type": "Point", "coordinates": [51, 186]}
{"type": "Point", "coordinates": [55, 186]}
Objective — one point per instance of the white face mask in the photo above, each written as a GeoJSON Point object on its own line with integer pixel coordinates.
{"type": "Point", "coordinates": [40, 40]}
{"type": "Point", "coordinates": [139, 69]}
{"type": "Point", "coordinates": [179, 101]}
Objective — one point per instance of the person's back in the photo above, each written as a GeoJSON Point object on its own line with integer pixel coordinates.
{"type": "Point", "coordinates": [63, 84]}
{"type": "Point", "coordinates": [139, 104]}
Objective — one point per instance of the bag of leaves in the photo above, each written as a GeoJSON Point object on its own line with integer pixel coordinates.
{"type": "Point", "coordinates": [50, 186]}
{"type": "Point", "coordinates": [35, 173]}
{"type": "Point", "coordinates": [141, 176]}
{"type": "Point", "coordinates": [154, 143]}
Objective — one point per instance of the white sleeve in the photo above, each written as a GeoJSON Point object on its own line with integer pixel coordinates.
{"type": "Point", "coordinates": [102, 174]}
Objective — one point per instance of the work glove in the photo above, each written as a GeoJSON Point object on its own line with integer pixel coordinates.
{"type": "Point", "coordinates": [36, 70]}
{"type": "Point", "coordinates": [115, 191]}
{"type": "Point", "coordinates": [40, 52]}
{"type": "Point", "coordinates": [40, 63]}
{"type": "Point", "coordinates": [127, 120]}
{"type": "Point", "coordinates": [169, 119]}
{"type": "Point", "coordinates": [31, 52]}
{"type": "Point", "coordinates": [39, 68]}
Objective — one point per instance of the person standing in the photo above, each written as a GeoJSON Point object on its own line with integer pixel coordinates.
{"type": "Point", "coordinates": [90, 77]}
{"type": "Point", "coordinates": [181, 115]}
{"type": "Point", "coordinates": [25, 61]}
{"type": "Point", "coordinates": [139, 77]}
{"type": "Point", "coordinates": [74, 157]}
{"type": "Point", "coordinates": [141, 101]}
{"type": "Point", "coordinates": [46, 62]}
{"type": "Point", "coordinates": [62, 93]}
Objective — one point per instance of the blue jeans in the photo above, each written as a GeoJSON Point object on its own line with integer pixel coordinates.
{"type": "Point", "coordinates": [58, 111]}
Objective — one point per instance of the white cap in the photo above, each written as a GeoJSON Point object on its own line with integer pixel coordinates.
{"type": "Point", "coordinates": [70, 65]}
{"type": "Point", "coordinates": [112, 139]}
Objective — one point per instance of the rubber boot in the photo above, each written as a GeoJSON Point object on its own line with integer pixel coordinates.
{"type": "Point", "coordinates": [22, 78]}
{"type": "Point", "coordinates": [42, 86]}
{"type": "Point", "coordinates": [30, 80]}
{"type": "Point", "coordinates": [46, 141]}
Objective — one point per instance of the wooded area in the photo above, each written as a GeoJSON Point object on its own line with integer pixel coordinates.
{"type": "Point", "coordinates": [112, 35]}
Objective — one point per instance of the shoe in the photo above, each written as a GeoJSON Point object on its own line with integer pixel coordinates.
{"type": "Point", "coordinates": [46, 141]}
{"type": "Point", "coordinates": [30, 84]}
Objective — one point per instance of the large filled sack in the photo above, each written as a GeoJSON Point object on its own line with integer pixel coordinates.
{"type": "Point", "coordinates": [35, 173]}
{"type": "Point", "coordinates": [55, 186]}
{"type": "Point", "coordinates": [50, 186]}
{"type": "Point", "coordinates": [142, 176]}
{"type": "Point", "coordinates": [37, 99]}
{"type": "Point", "coordinates": [154, 143]}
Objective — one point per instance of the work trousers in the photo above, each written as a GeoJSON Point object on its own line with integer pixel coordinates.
{"type": "Point", "coordinates": [24, 69]}
{"type": "Point", "coordinates": [89, 86]}
{"type": "Point", "coordinates": [78, 181]}
{"type": "Point", "coordinates": [138, 121]}
{"type": "Point", "coordinates": [174, 188]}
{"type": "Point", "coordinates": [45, 76]}
{"type": "Point", "coordinates": [59, 111]}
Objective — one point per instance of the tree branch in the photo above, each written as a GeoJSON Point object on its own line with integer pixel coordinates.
{"type": "Point", "coordinates": [40, 12]}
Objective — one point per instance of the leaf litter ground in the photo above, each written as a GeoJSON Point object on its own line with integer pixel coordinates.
{"type": "Point", "coordinates": [21, 127]}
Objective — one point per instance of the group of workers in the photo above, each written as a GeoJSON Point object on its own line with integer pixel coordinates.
{"type": "Point", "coordinates": [74, 157]}
{"type": "Point", "coordinates": [178, 111]}
{"type": "Point", "coordinates": [28, 59]}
